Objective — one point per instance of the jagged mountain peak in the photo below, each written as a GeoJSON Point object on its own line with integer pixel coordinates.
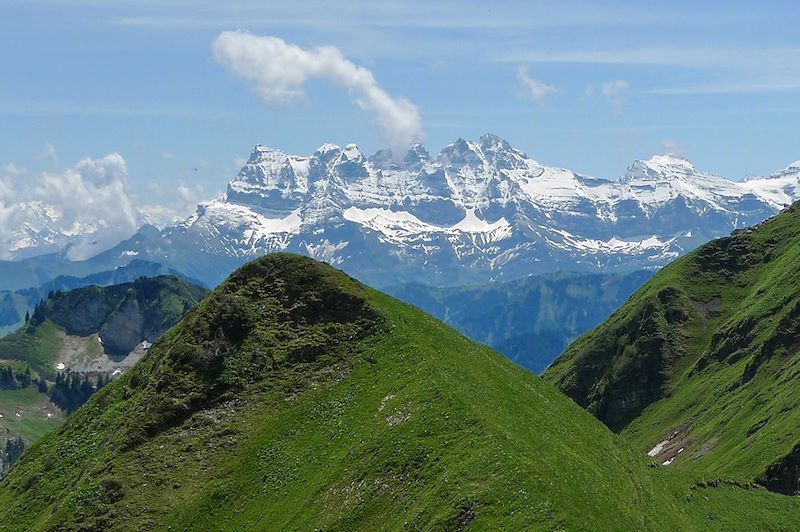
{"type": "Point", "coordinates": [660, 167]}
{"type": "Point", "coordinates": [491, 141]}
{"type": "Point", "coordinates": [794, 167]}
{"type": "Point", "coordinates": [327, 148]}
{"type": "Point", "coordinates": [476, 211]}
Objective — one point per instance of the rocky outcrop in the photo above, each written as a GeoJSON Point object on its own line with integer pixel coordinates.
{"type": "Point", "coordinates": [123, 315]}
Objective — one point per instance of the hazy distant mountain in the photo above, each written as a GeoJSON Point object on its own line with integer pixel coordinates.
{"type": "Point", "coordinates": [530, 320]}
{"type": "Point", "coordinates": [476, 212]}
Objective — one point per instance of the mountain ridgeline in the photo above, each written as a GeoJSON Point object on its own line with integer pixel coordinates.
{"type": "Point", "coordinates": [530, 320]}
{"type": "Point", "coordinates": [702, 363]}
{"type": "Point", "coordinates": [295, 398]}
{"type": "Point", "coordinates": [74, 344]}
{"type": "Point", "coordinates": [478, 211]}
{"type": "Point", "coordinates": [123, 315]}
{"type": "Point", "coordinates": [102, 321]}
{"type": "Point", "coordinates": [15, 303]}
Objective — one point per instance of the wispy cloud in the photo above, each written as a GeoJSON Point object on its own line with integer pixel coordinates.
{"type": "Point", "coordinates": [532, 88]}
{"type": "Point", "coordinates": [12, 169]}
{"type": "Point", "coordinates": [280, 70]}
{"type": "Point", "coordinates": [446, 14]}
{"type": "Point", "coordinates": [48, 154]}
{"type": "Point", "coordinates": [732, 87]}
{"type": "Point", "coordinates": [699, 56]}
{"type": "Point", "coordinates": [774, 68]}
{"type": "Point", "coordinates": [49, 108]}
{"type": "Point", "coordinates": [612, 91]}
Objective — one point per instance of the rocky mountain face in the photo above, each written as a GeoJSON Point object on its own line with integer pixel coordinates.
{"type": "Point", "coordinates": [14, 304]}
{"type": "Point", "coordinates": [477, 211]}
{"type": "Point", "coordinates": [98, 328]}
{"type": "Point", "coordinates": [701, 365]}
{"type": "Point", "coordinates": [75, 342]}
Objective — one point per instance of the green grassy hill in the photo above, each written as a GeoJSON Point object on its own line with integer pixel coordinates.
{"type": "Point", "coordinates": [295, 398]}
{"type": "Point", "coordinates": [706, 358]}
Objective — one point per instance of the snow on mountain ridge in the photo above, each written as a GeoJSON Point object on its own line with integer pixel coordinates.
{"type": "Point", "coordinates": [476, 211]}
{"type": "Point", "coordinates": [779, 189]}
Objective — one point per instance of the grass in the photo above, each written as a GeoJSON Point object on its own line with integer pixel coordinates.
{"type": "Point", "coordinates": [33, 407]}
{"type": "Point", "coordinates": [37, 346]}
{"type": "Point", "coordinates": [127, 312]}
{"type": "Point", "coordinates": [294, 398]}
{"type": "Point", "coordinates": [720, 358]}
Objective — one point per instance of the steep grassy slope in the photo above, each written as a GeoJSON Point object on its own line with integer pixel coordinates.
{"type": "Point", "coordinates": [122, 315]}
{"type": "Point", "coordinates": [530, 320]}
{"type": "Point", "coordinates": [294, 398]}
{"type": "Point", "coordinates": [67, 328]}
{"type": "Point", "coordinates": [706, 358]}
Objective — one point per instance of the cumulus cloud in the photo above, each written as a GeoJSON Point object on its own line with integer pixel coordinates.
{"type": "Point", "coordinates": [279, 71]}
{"type": "Point", "coordinates": [534, 89]}
{"type": "Point", "coordinates": [89, 202]}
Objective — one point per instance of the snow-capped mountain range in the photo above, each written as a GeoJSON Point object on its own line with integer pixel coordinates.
{"type": "Point", "coordinates": [39, 229]}
{"type": "Point", "coordinates": [475, 212]}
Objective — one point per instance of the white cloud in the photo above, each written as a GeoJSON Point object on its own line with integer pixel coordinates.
{"type": "Point", "coordinates": [612, 89]}
{"type": "Point", "coordinates": [93, 198]}
{"type": "Point", "coordinates": [178, 209]}
{"type": "Point", "coordinates": [670, 146]}
{"type": "Point", "coordinates": [280, 70]}
{"type": "Point", "coordinates": [13, 169]}
{"type": "Point", "coordinates": [48, 154]}
{"type": "Point", "coordinates": [534, 89]}
{"type": "Point", "coordinates": [89, 203]}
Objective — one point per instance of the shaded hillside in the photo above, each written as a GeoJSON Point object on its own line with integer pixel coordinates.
{"type": "Point", "coordinates": [705, 359]}
{"type": "Point", "coordinates": [530, 320]}
{"type": "Point", "coordinates": [75, 342]}
{"type": "Point", "coordinates": [121, 317]}
{"type": "Point", "coordinates": [14, 304]}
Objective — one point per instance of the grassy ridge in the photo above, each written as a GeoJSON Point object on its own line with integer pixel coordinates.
{"type": "Point", "coordinates": [37, 346]}
{"type": "Point", "coordinates": [709, 348]}
{"type": "Point", "coordinates": [294, 398]}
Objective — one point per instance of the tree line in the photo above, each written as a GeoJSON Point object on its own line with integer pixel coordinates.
{"type": "Point", "coordinates": [69, 391]}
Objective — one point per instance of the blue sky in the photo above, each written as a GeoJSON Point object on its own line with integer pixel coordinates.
{"type": "Point", "coordinates": [587, 86]}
